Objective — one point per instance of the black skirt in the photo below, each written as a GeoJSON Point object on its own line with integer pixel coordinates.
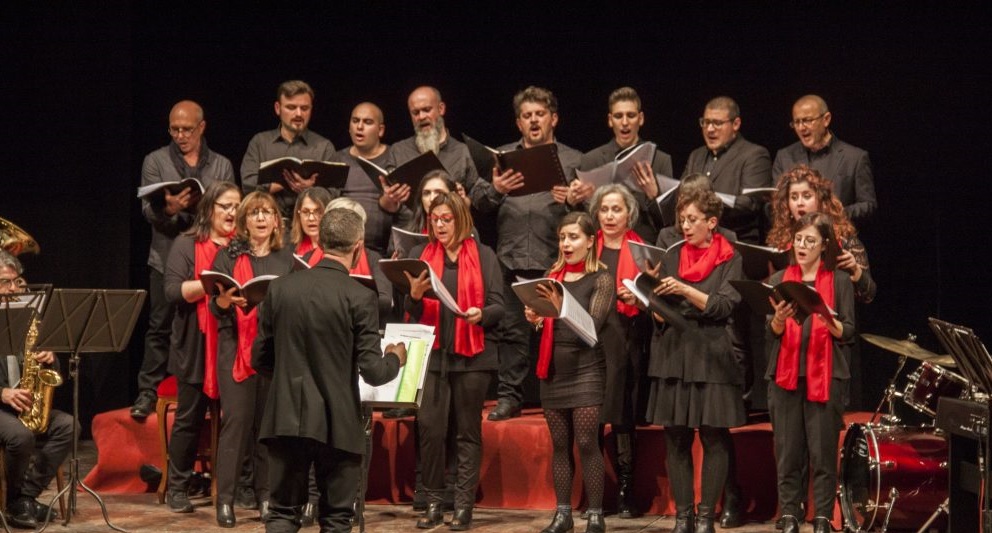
{"type": "Point", "coordinates": [673, 402]}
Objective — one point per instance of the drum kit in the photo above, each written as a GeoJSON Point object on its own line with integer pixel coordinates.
{"type": "Point", "coordinates": [893, 475]}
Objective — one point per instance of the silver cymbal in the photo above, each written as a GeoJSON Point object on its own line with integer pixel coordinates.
{"type": "Point", "coordinates": [904, 347]}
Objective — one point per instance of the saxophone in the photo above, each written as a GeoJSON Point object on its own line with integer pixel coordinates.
{"type": "Point", "coordinates": [40, 381]}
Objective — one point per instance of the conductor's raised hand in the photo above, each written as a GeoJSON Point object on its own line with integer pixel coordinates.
{"type": "Point", "coordinates": [399, 350]}
{"type": "Point", "coordinates": [508, 181]}
{"type": "Point", "coordinates": [418, 285]}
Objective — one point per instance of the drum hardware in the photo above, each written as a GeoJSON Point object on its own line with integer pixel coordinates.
{"type": "Point", "coordinates": [888, 397]}
{"type": "Point", "coordinates": [893, 496]}
{"type": "Point", "coordinates": [943, 508]}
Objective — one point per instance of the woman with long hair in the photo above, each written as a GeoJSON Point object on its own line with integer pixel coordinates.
{"type": "Point", "coordinates": [193, 346]}
{"type": "Point", "coordinates": [696, 382]}
{"type": "Point", "coordinates": [255, 250]}
{"type": "Point", "coordinates": [463, 358]}
{"type": "Point", "coordinates": [806, 374]}
{"type": "Point", "coordinates": [572, 373]}
{"type": "Point", "coordinates": [304, 231]}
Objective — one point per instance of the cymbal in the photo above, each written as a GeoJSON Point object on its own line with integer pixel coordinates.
{"type": "Point", "coordinates": [943, 360]}
{"type": "Point", "coordinates": [902, 347]}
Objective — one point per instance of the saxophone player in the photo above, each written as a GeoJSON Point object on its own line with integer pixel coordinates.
{"type": "Point", "coordinates": [49, 449]}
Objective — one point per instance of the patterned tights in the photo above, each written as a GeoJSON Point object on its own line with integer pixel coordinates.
{"type": "Point", "coordinates": [581, 426]}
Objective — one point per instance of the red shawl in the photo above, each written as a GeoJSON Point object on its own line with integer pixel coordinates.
{"type": "Point", "coordinates": [469, 338]}
{"type": "Point", "coordinates": [548, 333]}
{"type": "Point", "coordinates": [362, 266]}
{"type": "Point", "coordinates": [247, 323]}
{"type": "Point", "coordinates": [626, 268]}
{"type": "Point", "coordinates": [820, 349]}
{"type": "Point", "coordinates": [696, 264]}
{"type": "Point", "coordinates": [204, 253]}
{"type": "Point", "coordinates": [307, 245]}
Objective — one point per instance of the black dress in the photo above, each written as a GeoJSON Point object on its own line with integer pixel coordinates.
{"type": "Point", "coordinates": [696, 380]}
{"type": "Point", "coordinates": [577, 372]}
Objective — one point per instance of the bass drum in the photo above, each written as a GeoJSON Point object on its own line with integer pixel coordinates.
{"type": "Point", "coordinates": [879, 458]}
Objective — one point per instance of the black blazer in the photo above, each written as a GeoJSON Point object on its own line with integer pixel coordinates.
{"type": "Point", "coordinates": [317, 330]}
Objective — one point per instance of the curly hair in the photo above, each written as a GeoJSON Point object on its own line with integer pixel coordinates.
{"type": "Point", "coordinates": [780, 235]}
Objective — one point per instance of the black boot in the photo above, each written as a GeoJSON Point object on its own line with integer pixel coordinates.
{"type": "Point", "coordinates": [225, 515]}
{"type": "Point", "coordinates": [790, 524]}
{"type": "Point", "coordinates": [596, 523]}
{"type": "Point", "coordinates": [684, 521]}
{"type": "Point", "coordinates": [732, 515]}
{"type": "Point", "coordinates": [433, 516]}
{"type": "Point", "coordinates": [821, 524]}
{"type": "Point", "coordinates": [462, 519]}
{"type": "Point", "coordinates": [625, 494]}
{"type": "Point", "coordinates": [561, 523]}
{"type": "Point", "coordinates": [704, 519]}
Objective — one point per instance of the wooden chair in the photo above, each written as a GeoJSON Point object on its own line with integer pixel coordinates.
{"type": "Point", "coordinates": [205, 455]}
{"type": "Point", "coordinates": [59, 482]}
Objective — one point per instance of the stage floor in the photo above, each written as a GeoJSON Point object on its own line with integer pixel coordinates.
{"type": "Point", "coordinates": [141, 512]}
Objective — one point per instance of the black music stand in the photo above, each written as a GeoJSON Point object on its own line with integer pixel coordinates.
{"type": "Point", "coordinates": [86, 321]}
{"type": "Point", "coordinates": [968, 437]}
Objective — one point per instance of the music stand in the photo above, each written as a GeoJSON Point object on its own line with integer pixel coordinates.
{"type": "Point", "coordinates": [86, 321]}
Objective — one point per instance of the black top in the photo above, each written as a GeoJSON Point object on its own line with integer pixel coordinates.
{"type": "Point", "coordinates": [186, 349]}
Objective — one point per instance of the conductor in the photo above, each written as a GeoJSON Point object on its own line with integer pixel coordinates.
{"type": "Point", "coordinates": [317, 332]}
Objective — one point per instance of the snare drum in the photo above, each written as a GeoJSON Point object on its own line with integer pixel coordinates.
{"type": "Point", "coordinates": [930, 382]}
{"type": "Point", "coordinates": [877, 459]}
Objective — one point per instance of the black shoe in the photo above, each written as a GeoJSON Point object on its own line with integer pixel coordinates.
{"type": "Point", "coordinates": [225, 515]}
{"type": "Point", "coordinates": [432, 518]}
{"type": "Point", "coordinates": [244, 498]}
{"type": "Point", "coordinates": [596, 523]}
{"type": "Point", "coordinates": [419, 500]}
{"type": "Point", "coordinates": [704, 520]}
{"type": "Point", "coordinates": [399, 413]}
{"type": "Point", "coordinates": [684, 521]}
{"type": "Point", "coordinates": [462, 520]}
{"type": "Point", "coordinates": [143, 405]}
{"type": "Point", "coordinates": [179, 502]}
{"type": "Point", "coordinates": [308, 514]}
{"type": "Point", "coordinates": [561, 523]}
{"type": "Point", "coordinates": [21, 514]}
{"type": "Point", "coordinates": [263, 511]}
{"type": "Point", "coordinates": [41, 512]}
{"type": "Point", "coordinates": [625, 497]}
{"type": "Point", "coordinates": [731, 516]}
{"type": "Point", "coordinates": [504, 411]}
{"type": "Point", "coordinates": [151, 475]}
{"type": "Point", "coordinates": [790, 524]}
{"type": "Point", "coordinates": [821, 524]}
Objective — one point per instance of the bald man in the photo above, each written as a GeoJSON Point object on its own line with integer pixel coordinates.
{"type": "Point", "coordinates": [366, 128]}
{"type": "Point", "coordinates": [848, 167]}
{"type": "Point", "coordinates": [187, 156]}
{"type": "Point", "coordinates": [427, 111]}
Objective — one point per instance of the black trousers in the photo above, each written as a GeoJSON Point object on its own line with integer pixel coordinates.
{"type": "Point", "coordinates": [806, 432]}
{"type": "Point", "coordinates": [243, 404]}
{"type": "Point", "coordinates": [717, 445]}
{"type": "Point", "coordinates": [191, 408]}
{"type": "Point", "coordinates": [49, 450]}
{"type": "Point", "coordinates": [160, 313]}
{"type": "Point", "coordinates": [338, 475]}
{"type": "Point", "coordinates": [456, 400]}
{"type": "Point", "coordinates": [515, 340]}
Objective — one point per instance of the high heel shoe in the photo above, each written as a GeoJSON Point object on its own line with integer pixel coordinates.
{"type": "Point", "coordinates": [433, 517]}
{"type": "Point", "coordinates": [561, 523]}
{"type": "Point", "coordinates": [462, 519]}
{"type": "Point", "coordinates": [596, 523]}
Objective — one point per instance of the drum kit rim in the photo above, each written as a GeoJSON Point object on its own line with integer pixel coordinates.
{"type": "Point", "coordinates": [864, 464]}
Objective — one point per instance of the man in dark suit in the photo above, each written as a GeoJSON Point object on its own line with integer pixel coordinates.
{"type": "Point", "coordinates": [317, 332]}
{"type": "Point", "coordinates": [847, 166]}
{"type": "Point", "coordinates": [732, 164]}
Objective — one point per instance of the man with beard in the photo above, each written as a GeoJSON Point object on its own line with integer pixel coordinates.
{"type": "Point", "coordinates": [187, 156]}
{"type": "Point", "coordinates": [366, 128]}
{"type": "Point", "coordinates": [527, 240]}
{"type": "Point", "coordinates": [293, 106]}
{"type": "Point", "coordinates": [427, 115]}
{"type": "Point", "coordinates": [848, 167]}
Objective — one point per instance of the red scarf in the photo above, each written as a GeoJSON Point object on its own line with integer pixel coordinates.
{"type": "Point", "coordinates": [548, 333]}
{"type": "Point", "coordinates": [626, 268]}
{"type": "Point", "coordinates": [247, 323]}
{"type": "Point", "coordinates": [819, 350]}
{"type": "Point", "coordinates": [469, 338]}
{"type": "Point", "coordinates": [362, 266]}
{"type": "Point", "coordinates": [307, 245]}
{"type": "Point", "coordinates": [204, 253]}
{"type": "Point", "coordinates": [696, 264]}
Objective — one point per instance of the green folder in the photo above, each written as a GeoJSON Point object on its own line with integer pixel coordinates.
{"type": "Point", "coordinates": [416, 357]}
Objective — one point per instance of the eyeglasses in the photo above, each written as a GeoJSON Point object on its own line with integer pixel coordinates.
{"type": "Point", "coordinates": [179, 131]}
{"type": "Point", "coordinates": [690, 220]}
{"type": "Point", "coordinates": [307, 214]}
{"type": "Point", "coordinates": [707, 122]}
{"type": "Point", "coordinates": [261, 212]}
{"type": "Point", "coordinates": [15, 283]}
{"type": "Point", "coordinates": [806, 242]}
{"type": "Point", "coordinates": [805, 122]}
{"type": "Point", "coordinates": [228, 208]}
{"type": "Point", "coordinates": [442, 220]}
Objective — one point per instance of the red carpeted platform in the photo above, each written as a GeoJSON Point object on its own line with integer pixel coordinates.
{"type": "Point", "coordinates": [516, 470]}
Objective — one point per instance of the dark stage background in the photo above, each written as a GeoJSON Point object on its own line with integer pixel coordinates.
{"type": "Point", "coordinates": [86, 92]}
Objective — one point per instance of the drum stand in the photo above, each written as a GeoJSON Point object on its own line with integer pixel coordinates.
{"type": "Point", "coordinates": [943, 508]}
{"type": "Point", "coordinates": [888, 398]}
